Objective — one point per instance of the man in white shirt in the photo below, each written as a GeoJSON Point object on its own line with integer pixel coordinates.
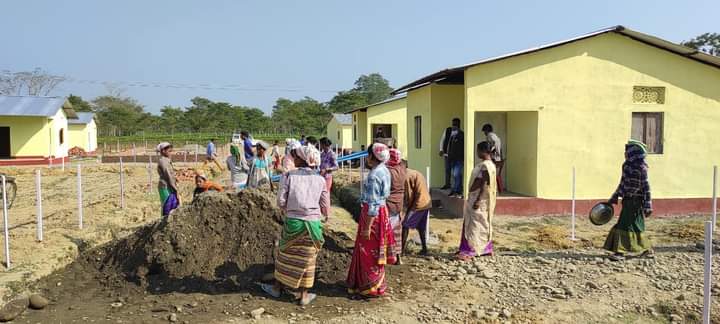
{"type": "Point", "coordinates": [497, 153]}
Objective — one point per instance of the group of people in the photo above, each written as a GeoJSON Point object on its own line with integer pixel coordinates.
{"type": "Point", "coordinates": [394, 200]}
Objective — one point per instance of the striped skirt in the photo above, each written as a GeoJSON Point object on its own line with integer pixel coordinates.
{"type": "Point", "coordinates": [295, 265]}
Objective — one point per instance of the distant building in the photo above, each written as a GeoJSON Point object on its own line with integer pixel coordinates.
{"type": "Point", "coordinates": [34, 130]}
{"type": "Point", "coordinates": [339, 131]}
{"type": "Point", "coordinates": [385, 121]}
{"type": "Point", "coordinates": [83, 132]}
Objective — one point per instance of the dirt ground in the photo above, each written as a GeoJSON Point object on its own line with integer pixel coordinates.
{"type": "Point", "coordinates": [538, 276]}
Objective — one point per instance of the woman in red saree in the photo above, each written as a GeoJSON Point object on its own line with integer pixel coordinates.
{"type": "Point", "coordinates": [374, 241]}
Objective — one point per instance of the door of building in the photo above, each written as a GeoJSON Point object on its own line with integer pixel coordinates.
{"type": "Point", "coordinates": [4, 142]}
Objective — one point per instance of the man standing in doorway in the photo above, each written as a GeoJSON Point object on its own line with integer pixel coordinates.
{"type": "Point", "coordinates": [496, 153]}
{"type": "Point", "coordinates": [453, 150]}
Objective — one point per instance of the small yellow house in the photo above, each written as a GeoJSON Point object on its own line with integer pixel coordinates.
{"type": "Point", "coordinates": [339, 130]}
{"type": "Point", "coordinates": [574, 104]}
{"type": "Point", "coordinates": [34, 129]}
{"type": "Point", "coordinates": [383, 121]}
{"type": "Point", "coordinates": [83, 132]}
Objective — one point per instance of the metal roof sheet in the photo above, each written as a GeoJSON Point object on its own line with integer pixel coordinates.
{"type": "Point", "coordinates": [397, 97]}
{"type": "Point", "coordinates": [638, 36]}
{"type": "Point", "coordinates": [83, 118]}
{"type": "Point", "coordinates": [343, 119]}
{"type": "Point", "coordinates": [33, 106]}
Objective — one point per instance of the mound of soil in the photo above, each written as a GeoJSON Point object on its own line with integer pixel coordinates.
{"type": "Point", "coordinates": [220, 241]}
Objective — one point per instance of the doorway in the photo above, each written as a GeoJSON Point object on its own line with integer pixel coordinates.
{"type": "Point", "coordinates": [4, 142]}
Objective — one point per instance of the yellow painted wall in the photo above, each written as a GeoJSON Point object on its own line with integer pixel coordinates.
{"type": "Point", "coordinates": [418, 104]}
{"type": "Point", "coordinates": [393, 113]}
{"type": "Point", "coordinates": [437, 104]}
{"type": "Point", "coordinates": [58, 123]}
{"type": "Point", "coordinates": [360, 127]}
{"type": "Point", "coordinates": [29, 136]}
{"type": "Point", "coordinates": [582, 93]}
{"type": "Point", "coordinates": [344, 140]}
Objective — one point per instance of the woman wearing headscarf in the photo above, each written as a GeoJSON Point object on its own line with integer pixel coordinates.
{"type": "Point", "coordinates": [305, 201]}
{"type": "Point", "coordinates": [260, 167]}
{"type": "Point", "coordinates": [634, 188]}
{"type": "Point", "coordinates": [288, 163]}
{"type": "Point", "coordinates": [396, 199]}
{"type": "Point", "coordinates": [238, 167]}
{"type": "Point", "coordinates": [167, 183]}
{"type": "Point", "coordinates": [479, 209]}
{"type": "Point", "coordinates": [374, 241]}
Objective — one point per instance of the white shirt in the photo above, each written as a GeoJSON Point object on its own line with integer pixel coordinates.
{"type": "Point", "coordinates": [496, 145]}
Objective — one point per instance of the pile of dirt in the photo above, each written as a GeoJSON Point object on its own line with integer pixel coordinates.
{"type": "Point", "coordinates": [222, 241]}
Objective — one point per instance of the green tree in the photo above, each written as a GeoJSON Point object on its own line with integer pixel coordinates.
{"type": "Point", "coordinates": [171, 119]}
{"type": "Point", "coordinates": [120, 116]}
{"type": "Point", "coordinates": [78, 103]}
{"type": "Point", "coordinates": [306, 116]}
{"type": "Point", "coordinates": [369, 89]}
{"type": "Point", "coordinates": [708, 43]}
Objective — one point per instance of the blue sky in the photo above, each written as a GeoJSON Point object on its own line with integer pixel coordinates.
{"type": "Point", "coordinates": [298, 48]}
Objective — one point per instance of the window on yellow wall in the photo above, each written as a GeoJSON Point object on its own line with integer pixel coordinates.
{"type": "Point", "coordinates": [338, 136]}
{"type": "Point", "coordinates": [62, 138]}
{"type": "Point", "coordinates": [354, 132]}
{"type": "Point", "coordinates": [418, 132]}
{"type": "Point", "coordinates": [647, 127]}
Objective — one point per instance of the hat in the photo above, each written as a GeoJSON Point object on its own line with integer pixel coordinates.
{"type": "Point", "coordinates": [163, 146]}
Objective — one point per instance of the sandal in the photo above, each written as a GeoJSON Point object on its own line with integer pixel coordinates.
{"type": "Point", "coordinates": [270, 290]}
{"type": "Point", "coordinates": [310, 298]}
{"type": "Point", "coordinates": [649, 254]}
{"type": "Point", "coordinates": [616, 257]}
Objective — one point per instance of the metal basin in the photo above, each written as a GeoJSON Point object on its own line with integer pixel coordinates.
{"type": "Point", "coordinates": [601, 213]}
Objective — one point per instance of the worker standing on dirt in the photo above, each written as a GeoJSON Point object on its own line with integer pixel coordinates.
{"type": "Point", "coordinates": [167, 185]}
{"type": "Point", "coordinates": [374, 241]}
{"type": "Point", "coordinates": [211, 155]}
{"type": "Point", "coordinates": [202, 184]}
{"type": "Point", "coordinates": [247, 145]}
{"type": "Point", "coordinates": [479, 210]}
{"type": "Point", "coordinates": [238, 167]}
{"type": "Point", "coordinates": [288, 163]}
{"type": "Point", "coordinates": [417, 205]}
{"type": "Point", "coordinates": [328, 162]}
{"type": "Point", "coordinates": [634, 188]}
{"type": "Point", "coordinates": [275, 156]}
{"type": "Point", "coordinates": [306, 202]}
{"type": "Point", "coordinates": [260, 173]}
{"type": "Point", "coordinates": [396, 199]}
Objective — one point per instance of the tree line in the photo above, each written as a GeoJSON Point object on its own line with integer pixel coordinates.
{"type": "Point", "coordinates": [119, 115]}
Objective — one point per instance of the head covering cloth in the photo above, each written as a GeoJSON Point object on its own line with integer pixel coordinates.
{"type": "Point", "coordinates": [380, 151]}
{"type": "Point", "coordinates": [395, 157]}
{"type": "Point", "coordinates": [162, 146]}
{"type": "Point", "coordinates": [309, 154]}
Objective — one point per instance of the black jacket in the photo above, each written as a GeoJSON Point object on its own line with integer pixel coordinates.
{"type": "Point", "coordinates": [454, 146]}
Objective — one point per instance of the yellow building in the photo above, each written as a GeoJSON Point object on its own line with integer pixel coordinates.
{"type": "Point", "coordinates": [383, 121]}
{"type": "Point", "coordinates": [34, 129]}
{"type": "Point", "coordinates": [339, 130]}
{"type": "Point", "coordinates": [83, 132]}
{"type": "Point", "coordinates": [574, 104]}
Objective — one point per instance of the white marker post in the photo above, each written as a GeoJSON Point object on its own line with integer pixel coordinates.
{"type": "Point", "coordinates": [118, 146]}
{"type": "Point", "coordinates": [714, 198]}
{"type": "Point", "coordinates": [80, 196]}
{"type": "Point", "coordinates": [5, 222]}
{"type": "Point", "coordinates": [572, 232]}
{"type": "Point", "coordinates": [62, 161]}
{"type": "Point", "coordinates": [197, 148]}
{"type": "Point", "coordinates": [38, 205]}
{"type": "Point", "coordinates": [122, 186]}
{"type": "Point", "coordinates": [708, 273]}
{"type": "Point", "coordinates": [134, 153]}
{"type": "Point", "coordinates": [362, 174]}
{"type": "Point", "coordinates": [427, 226]}
{"type": "Point", "coordinates": [149, 168]}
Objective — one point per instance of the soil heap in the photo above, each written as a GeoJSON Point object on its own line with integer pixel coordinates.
{"type": "Point", "coordinates": [220, 241]}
